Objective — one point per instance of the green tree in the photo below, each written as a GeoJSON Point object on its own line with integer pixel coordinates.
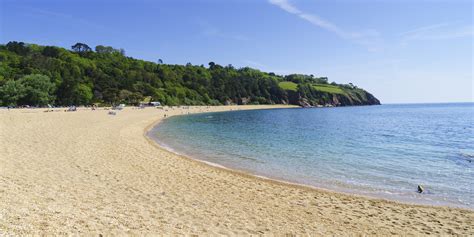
{"type": "Point", "coordinates": [81, 76]}
{"type": "Point", "coordinates": [11, 93]}
{"type": "Point", "coordinates": [51, 51]}
{"type": "Point", "coordinates": [82, 94]}
{"type": "Point", "coordinates": [38, 90]}
{"type": "Point", "coordinates": [18, 47]}
{"type": "Point", "coordinates": [106, 49]}
{"type": "Point", "coordinates": [110, 95]}
{"type": "Point", "coordinates": [81, 48]}
{"type": "Point", "coordinates": [129, 97]}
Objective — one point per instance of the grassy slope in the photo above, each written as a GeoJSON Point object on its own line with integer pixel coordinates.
{"type": "Point", "coordinates": [288, 85]}
{"type": "Point", "coordinates": [328, 88]}
{"type": "Point", "coordinates": [338, 94]}
{"type": "Point", "coordinates": [291, 86]}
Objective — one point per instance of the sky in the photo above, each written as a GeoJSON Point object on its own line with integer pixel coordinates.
{"type": "Point", "coordinates": [402, 51]}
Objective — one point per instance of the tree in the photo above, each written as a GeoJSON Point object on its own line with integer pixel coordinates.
{"type": "Point", "coordinates": [212, 65]}
{"type": "Point", "coordinates": [38, 90]}
{"type": "Point", "coordinates": [82, 94]}
{"type": "Point", "coordinates": [18, 47]}
{"type": "Point", "coordinates": [81, 48]}
{"type": "Point", "coordinates": [34, 89]}
{"type": "Point", "coordinates": [108, 50]}
{"type": "Point", "coordinates": [51, 51]}
{"type": "Point", "coordinates": [105, 49]}
{"type": "Point", "coordinates": [129, 97]}
{"type": "Point", "coordinates": [124, 96]}
{"type": "Point", "coordinates": [11, 93]}
{"type": "Point", "coordinates": [107, 75]}
{"type": "Point", "coordinates": [110, 95]}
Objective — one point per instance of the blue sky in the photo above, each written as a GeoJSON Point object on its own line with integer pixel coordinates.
{"type": "Point", "coordinates": [403, 51]}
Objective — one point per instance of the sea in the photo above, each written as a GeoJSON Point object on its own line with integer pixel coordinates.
{"type": "Point", "coordinates": [384, 151]}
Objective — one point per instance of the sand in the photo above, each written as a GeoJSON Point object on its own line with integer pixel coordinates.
{"type": "Point", "coordinates": [88, 172]}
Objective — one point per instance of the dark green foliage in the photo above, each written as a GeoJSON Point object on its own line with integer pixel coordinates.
{"type": "Point", "coordinates": [81, 94]}
{"type": "Point", "coordinates": [34, 89]}
{"type": "Point", "coordinates": [81, 48]}
{"type": "Point", "coordinates": [51, 51]}
{"type": "Point", "coordinates": [11, 92]}
{"type": "Point", "coordinates": [300, 78]}
{"type": "Point", "coordinates": [19, 48]}
{"type": "Point", "coordinates": [38, 90]}
{"type": "Point", "coordinates": [40, 75]}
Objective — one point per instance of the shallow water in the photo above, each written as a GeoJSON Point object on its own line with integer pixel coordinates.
{"type": "Point", "coordinates": [382, 151]}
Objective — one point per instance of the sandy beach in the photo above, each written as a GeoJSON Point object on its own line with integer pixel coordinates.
{"type": "Point", "coordinates": [87, 172]}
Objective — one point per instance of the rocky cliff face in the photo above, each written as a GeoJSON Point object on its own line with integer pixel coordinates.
{"type": "Point", "coordinates": [349, 98]}
{"type": "Point", "coordinates": [360, 97]}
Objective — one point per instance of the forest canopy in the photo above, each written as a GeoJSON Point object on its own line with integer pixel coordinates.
{"type": "Point", "coordinates": [37, 75]}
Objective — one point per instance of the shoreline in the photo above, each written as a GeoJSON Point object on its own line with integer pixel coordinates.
{"type": "Point", "coordinates": [155, 141]}
{"type": "Point", "coordinates": [88, 172]}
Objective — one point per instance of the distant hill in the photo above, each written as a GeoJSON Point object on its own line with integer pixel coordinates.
{"type": "Point", "coordinates": [37, 75]}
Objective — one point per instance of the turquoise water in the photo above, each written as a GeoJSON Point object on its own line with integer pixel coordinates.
{"type": "Point", "coordinates": [382, 151]}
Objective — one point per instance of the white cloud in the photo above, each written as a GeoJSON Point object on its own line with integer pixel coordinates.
{"type": "Point", "coordinates": [442, 31]}
{"type": "Point", "coordinates": [285, 5]}
{"type": "Point", "coordinates": [369, 38]}
{"type": "Point", "coordinates": [317, 21]}
{"type": "Point", "coordinates": [424, 28]}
